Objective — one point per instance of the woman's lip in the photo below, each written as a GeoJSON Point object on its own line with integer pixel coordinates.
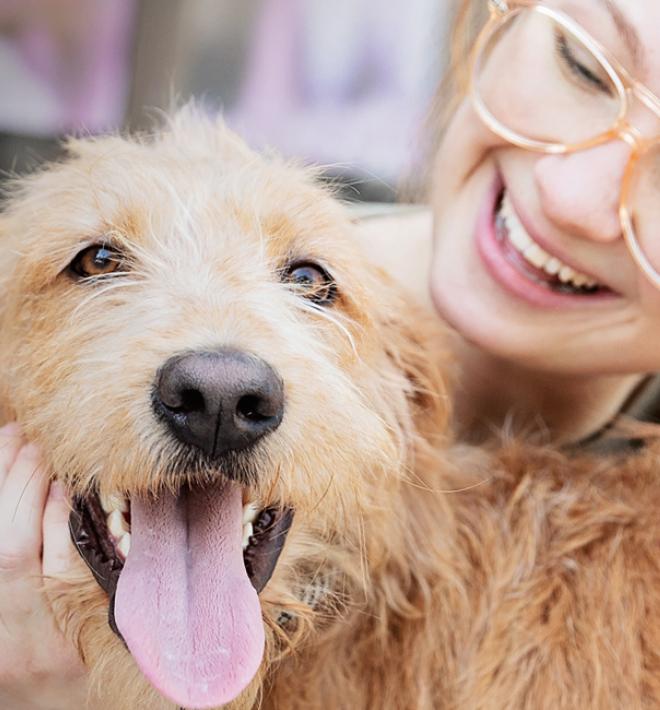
{"type": "Point", "coordinates": [547, 246]}
{"type": "Point", "coordinates": [511, 276]}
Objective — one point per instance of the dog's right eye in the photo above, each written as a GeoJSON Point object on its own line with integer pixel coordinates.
{"type": "Point", "coordinates": [96, 260]}
{"type": "Point", "coordinates": [312, 280]}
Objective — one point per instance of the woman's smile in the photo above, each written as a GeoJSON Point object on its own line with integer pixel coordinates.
{"type": "Point", "coordinates": [531, 268]}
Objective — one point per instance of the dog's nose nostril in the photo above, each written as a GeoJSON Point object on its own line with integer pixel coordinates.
{"type": "Point", "coordinates": [186, 401]}
{"type": "Point", "coordinates": [254, 408]}
{"type": "Point", "coordinates": [219, 401]}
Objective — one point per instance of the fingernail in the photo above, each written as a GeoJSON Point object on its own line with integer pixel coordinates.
{"type": "Point", "coordinates": [11, 429]}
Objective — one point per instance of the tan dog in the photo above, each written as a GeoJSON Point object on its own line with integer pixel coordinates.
{"type": "Point", "coordinates": [188, 327]}
{"type": "Point", "coordinates": [192, 337]}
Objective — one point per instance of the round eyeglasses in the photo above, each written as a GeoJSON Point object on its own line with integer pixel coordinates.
{"type": "Point", "coordinates": [541, 82]}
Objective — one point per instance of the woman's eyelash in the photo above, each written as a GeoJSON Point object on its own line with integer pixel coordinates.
{"type": "Point", "coordinates": [574, 66]}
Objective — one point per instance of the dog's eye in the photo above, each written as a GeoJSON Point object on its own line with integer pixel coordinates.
{"type": "Point", "coordinates": [96, 260]}
{"type": "Point", "coordinates": [313, 282]}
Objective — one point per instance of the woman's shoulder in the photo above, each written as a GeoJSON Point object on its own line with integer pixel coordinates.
{"type": "Point", "coordinates": [398, 238]}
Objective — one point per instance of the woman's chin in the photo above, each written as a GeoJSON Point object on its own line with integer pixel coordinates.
{"type": "Point", "coordinates": [486, 320]}
{"type": "Point", "coordinates": [470, 315]}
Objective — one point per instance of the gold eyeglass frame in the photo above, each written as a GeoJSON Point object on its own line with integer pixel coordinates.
{"type": "Point", "coordinates": [626, 87]}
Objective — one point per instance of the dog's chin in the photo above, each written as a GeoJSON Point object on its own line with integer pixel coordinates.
{"type": "Point", "coordinates": [182, 572]}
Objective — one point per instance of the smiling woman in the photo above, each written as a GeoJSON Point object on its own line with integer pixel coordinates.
{"type": "Point", "coordinates": [545, 257]}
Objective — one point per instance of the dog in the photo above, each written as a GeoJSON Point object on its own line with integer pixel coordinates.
{"type": "Point", "coordinates": [251, 422]}
{"type": "Point", "coordinates": [190, 335]}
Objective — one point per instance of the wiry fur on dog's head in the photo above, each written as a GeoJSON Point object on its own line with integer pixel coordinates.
{"type": "Point", "coordinates": [207, 231]}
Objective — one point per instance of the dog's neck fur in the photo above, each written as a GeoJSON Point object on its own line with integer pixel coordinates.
{"type": "Point", "coordinates": [412, 577]}
{"type": "Point", "coordinates": [504, 571]}
{"type": "Point", "coordinates": [6, 413]}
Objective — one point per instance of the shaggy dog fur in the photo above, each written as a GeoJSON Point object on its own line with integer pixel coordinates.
{"type": "Point", "coordinates": [418, 574]}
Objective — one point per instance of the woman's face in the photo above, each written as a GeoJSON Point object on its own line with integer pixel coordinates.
{"type": "Point", "coordinates": [605, 316]}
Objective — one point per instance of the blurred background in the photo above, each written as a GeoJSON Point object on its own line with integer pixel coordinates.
{"type": "Point", "coordinates": [345, 84]}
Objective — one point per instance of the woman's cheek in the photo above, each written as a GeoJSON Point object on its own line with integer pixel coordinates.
{"type": "Point", "coordinates": [466, 143]}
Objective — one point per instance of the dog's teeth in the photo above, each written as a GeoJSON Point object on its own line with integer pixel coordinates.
{"type": "Point", "coordinates": [248, 531]}
{"type": "Point", "coordinates": [113, 502]}
{"type": "Point", "coordinates": [121, 503]}
{"type": "Point", "coordinates": [250, 511]}
{"type": "Point", "coordinates": [117, 524]}
{"type": "Point", "coordinates": [124, 545]}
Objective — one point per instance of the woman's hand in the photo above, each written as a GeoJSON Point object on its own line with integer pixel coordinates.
{"type": "Point", "coordinates": [39, 669]}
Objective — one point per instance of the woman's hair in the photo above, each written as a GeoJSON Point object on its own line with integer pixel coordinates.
{"type": "Point", "coordinates": [469, 16]}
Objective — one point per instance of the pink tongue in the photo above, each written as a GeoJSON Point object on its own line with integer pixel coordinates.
{"type": "Point", "coordinates": [184, 603]}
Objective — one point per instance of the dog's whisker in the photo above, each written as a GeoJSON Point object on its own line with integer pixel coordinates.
{"type": "Point", "coordinates": [325, 493]}
{"type": "Point", "coordinates": [274, 484]}
{"type": "Point", "coordinates": [305, 306]}
{"type": "Point", "coordinates": [446, 491]}
{"type": "Point", "coordinates": [103, 288]}
{"type": "Point", "coordinates": [362, 552]}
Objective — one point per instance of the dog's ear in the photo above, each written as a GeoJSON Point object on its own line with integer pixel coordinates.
{"type": "Point", "coordinates": [417, 342]}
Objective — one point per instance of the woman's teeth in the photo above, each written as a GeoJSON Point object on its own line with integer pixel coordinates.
{"type": "Point", "coordinates": [117, 508]}
{"type": "Point", "coordinates": [535, 255]}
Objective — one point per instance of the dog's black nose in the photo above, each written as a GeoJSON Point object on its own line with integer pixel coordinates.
{"type": "Point", "coordinates": [218, 401]}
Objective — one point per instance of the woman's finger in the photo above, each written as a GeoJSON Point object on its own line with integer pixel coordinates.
{"type": "Point", "coordinates": [59, 554]}
{"type": "Point", "coordinates": [22, 501]}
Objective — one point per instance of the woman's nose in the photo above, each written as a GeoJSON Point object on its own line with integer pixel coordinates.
{"type": "Point", "coordinates": [580, 192]}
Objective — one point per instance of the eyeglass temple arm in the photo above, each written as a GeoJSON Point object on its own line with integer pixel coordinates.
{"type": "Point", "coordinates": [499, 6]}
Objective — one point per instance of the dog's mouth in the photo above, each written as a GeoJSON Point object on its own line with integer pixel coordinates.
{"type": "Point", "coordinates": [183, 573]}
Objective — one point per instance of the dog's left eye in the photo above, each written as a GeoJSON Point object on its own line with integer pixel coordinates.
{"type": "Point", "coordinates": [313, 281]}
{"type": "Point", "coordinates": [96, 260]}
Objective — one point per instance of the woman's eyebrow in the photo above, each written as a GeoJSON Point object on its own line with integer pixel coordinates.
{"type": "Point", "coordinates": [628, 33]}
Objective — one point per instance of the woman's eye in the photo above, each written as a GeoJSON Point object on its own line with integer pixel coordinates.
{"type": "Point", "coordinates": [97, 260]}
{"type": "Point", "coordinates": [592, 75]}
{"type": "Point", "coordinates": [311, 281]}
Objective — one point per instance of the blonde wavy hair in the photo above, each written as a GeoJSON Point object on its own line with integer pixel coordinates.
{"type": "Point", "coordinates": [467, 19]}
